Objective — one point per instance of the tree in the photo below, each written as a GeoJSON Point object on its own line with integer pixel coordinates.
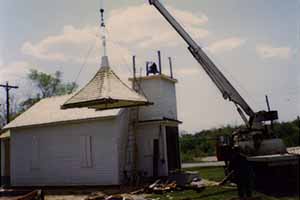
{"type": "Point", "coordinates": [203, 143]}
{"type": "Point", "coordinates": [289, 132]}
{"type": "Point", "coordinates": [47, 85]}
{"type": "Point", "coordinates": [13, 109]}
{"type": "Point", "coordinates": [2, 115]}
{"type": "Point", "coordinates": [50, 85]}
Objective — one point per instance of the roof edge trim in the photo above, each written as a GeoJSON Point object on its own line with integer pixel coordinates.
{"type": "Point", "coordinates": [61, 122]}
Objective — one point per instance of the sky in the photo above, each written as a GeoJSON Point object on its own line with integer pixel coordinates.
{"type": "Point", "coordinates": [254, 43]}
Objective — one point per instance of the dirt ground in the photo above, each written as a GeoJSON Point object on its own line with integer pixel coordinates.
{"type": "Point", "coordinates": [65, 197]}
{"type": "Point", "coordinates": [83, 193]}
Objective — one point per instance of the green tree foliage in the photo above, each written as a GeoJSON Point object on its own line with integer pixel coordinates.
{"type": "Point", "coordinates": [48, 85]}
{"type": "Point", "coordinates": [289, 132]}
{"type": "Point", "coordinates": [13, 109]}
{"type": "Point", "coordinates": [203, 143]}
{"type": "Point", "coordinates": [2, 115]}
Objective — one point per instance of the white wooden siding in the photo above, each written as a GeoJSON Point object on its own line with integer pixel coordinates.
{"type": "Point", "coordinates": [59, 158]}
{"type": "Point", "coordinates": [163, 94]}
{"type": "Point", "coordinates": [123, 123]}
{"type": "Point", "coordinates": [145, 136]}
{"type": "Point", "coordinates": [35, 155]}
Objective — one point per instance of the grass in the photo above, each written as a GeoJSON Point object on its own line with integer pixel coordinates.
{"type": "Point", "coordinates": [212, 193]}
{"type": "Point", "coordinates": [209, 173]}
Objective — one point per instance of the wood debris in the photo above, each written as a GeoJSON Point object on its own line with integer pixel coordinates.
{"type": "Point", "coordinates": [120, 197]}
{"type": "Point", "coordinates": [96, 196]}
{"type": "Point", "coordinates": [161, 187]}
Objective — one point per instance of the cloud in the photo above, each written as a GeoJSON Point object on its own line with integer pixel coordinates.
{"type": "Point", "coordinates": [145, 27]}
{"type": "Point", "coordinates": [267, 51]}
{"type": "Point", "coordinates": [39, 52]}
{"type": "Point", "coordinates": [227, 44]}
{"type": "Point", "coordinates": [191, 71]}
{"type": "Point", "coordinates": [74, 45]}
{"type": "Point", "coordinates": [16, 73]}
{"type": "Point", "coordinates": [13, 71]}
{"type": "Point", "coordinates": [57, 47]}
{"type": "Point", "coordinates": [139, 26]}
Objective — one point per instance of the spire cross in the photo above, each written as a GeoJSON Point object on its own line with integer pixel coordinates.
{"type": "Point", "coordinates": [102, 27]}
{"type": "Point", "coordinates": [102, 17]}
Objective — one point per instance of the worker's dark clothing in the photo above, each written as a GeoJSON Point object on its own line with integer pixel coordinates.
{"type": "Point", "coordinates": [243, 175]}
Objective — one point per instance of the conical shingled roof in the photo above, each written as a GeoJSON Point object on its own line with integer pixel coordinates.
{"type": "Point", "coordinates": [105, 91]}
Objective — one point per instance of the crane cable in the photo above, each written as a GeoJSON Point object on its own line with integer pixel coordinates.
{"type": "Point", "coordinates": [112, 42]}
{"type": "Point", "coordinates": [92, 46]}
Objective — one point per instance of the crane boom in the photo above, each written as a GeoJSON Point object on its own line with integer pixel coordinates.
{"type": "Point", "coordinates": [222, 83]}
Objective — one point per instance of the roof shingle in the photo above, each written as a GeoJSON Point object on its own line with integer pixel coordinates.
{"type": "Point", "coordinates": [47, 111]}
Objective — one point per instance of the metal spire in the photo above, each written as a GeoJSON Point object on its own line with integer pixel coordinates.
{"type": "Point", "coordinates": [102, 28]}
{"type": "Point", "coordinates": [104, 59]}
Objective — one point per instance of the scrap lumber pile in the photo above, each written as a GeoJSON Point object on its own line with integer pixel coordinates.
{"type": "Point", "coordinates": [159, 187]}
{"type": "Point", "coordinates": [176, 182]}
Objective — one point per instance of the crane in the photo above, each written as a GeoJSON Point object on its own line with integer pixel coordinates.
{"type": "Point", "coordinates": [266, 153]}
{"type": "Point", "coordinates": [222, 83]}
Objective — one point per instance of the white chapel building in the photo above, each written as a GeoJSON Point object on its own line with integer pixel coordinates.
{"type": "Point", "coordinates": [50, 145]}
{"type": "Point", "coordinates": [107, 133]}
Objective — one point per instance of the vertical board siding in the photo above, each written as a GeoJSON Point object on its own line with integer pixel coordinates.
{"type": "Point", "coordinates": [60, 157]}
{"type": "Point", "coordinates": [122, 141]}
{"type": "Point", "coordinates": [146, 135]}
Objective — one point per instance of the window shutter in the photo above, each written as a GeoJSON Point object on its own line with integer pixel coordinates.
{"type": "Point", "coordinates": [86, 151]}
{"type": "Point", "coordinates": [35, 153]}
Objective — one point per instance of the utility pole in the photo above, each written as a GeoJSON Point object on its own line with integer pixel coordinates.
{"type": "Point", "coordinates": [7, 87]}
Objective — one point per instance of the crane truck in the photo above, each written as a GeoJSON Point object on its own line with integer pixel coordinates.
{"type": "Point", "coordinates": [268, 154]}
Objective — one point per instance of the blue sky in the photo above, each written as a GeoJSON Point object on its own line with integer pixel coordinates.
{"type": "Point", "coordinates": [255, 43]}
